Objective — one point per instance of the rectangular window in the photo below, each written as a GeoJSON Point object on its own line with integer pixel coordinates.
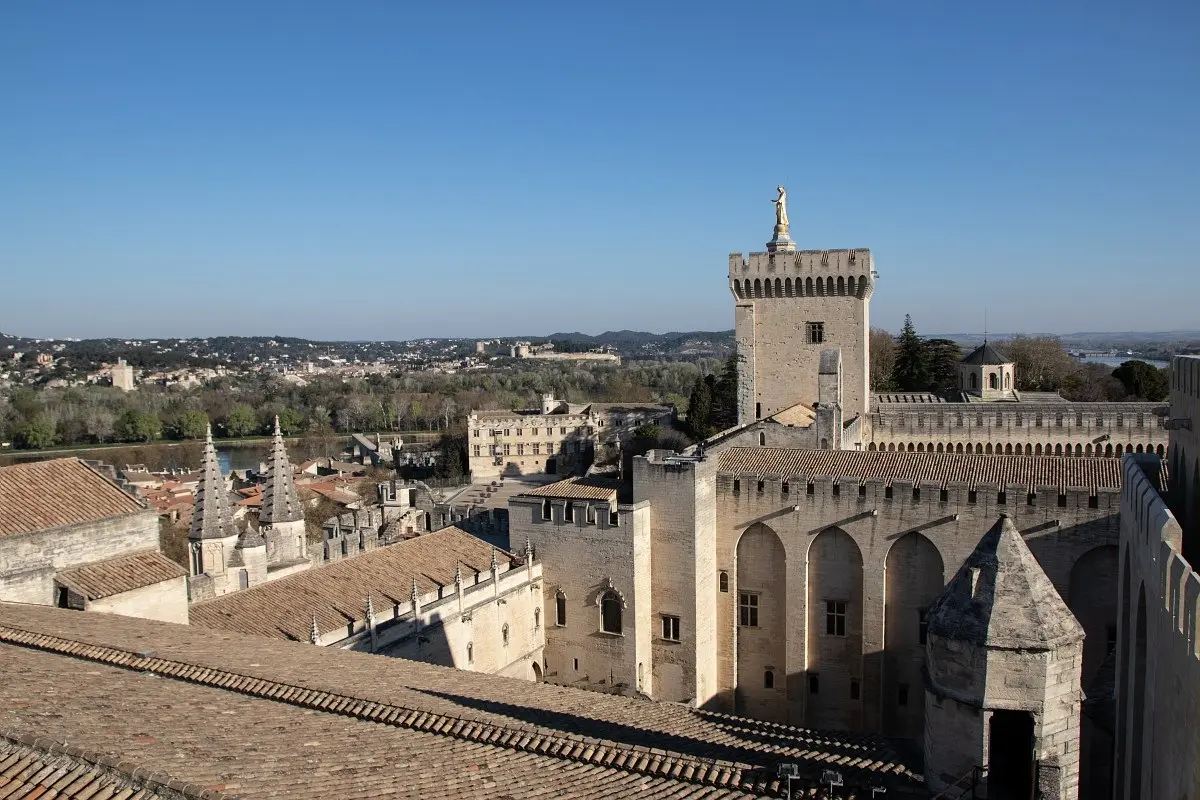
{"type": "Point", "coordinates": [737, 486]}
{"type": "Point", "coordinates": [1110, 638]}
{"type": "Point", "coordinates": [835, 617]}
{"type": "Point", "coordinates": [613, 519]}
{"type": "Point", "coordinates": [1037, 421]}
{"type": "Point", "coordinates": [854, 690]}
{"type": "Point", "coordinates": [748, 609]}
{"type": "Point", "coordinates": [814, 683]}
{"type": "Point", "coordinates": [922, 624]}
{"type": "Point", "coordinates": [902, 694]}
{"type": "Point", "coordinates": [477, 450]}
{"type": "Point", "coordinates": [537, 449]}
{"type": "Point", "coordinates": [816, 332]}
{"type": "Point", "coordinates": [494, 450]}
{"type": "Point", "coordinates": [507, 449]}
{"type": "Point", "coordinates": [507, 431]}
{"type": "Point", "coordinates": [670, 628]}
{"type": "Point", "coordinates": [520, 431]}
{"type": "Point", "coordinates": [475, 433]}
{"type": "Point", "coordinates": [534, 432]}
{"type": "Point", "coordinates": [762, 485]}
{"type": "Point", "coordinates": [520, 449]}
{"type": "Point", "coordinates": [1079, 420]}
{"type": "Point", "coordinates": [1120, 420]}
{"type": "Point", "coordinates": [785, 488]}
{"type": "Point", "coordinates": [560, 610]}
{"type": "Point", "coordinates": [563, 430]}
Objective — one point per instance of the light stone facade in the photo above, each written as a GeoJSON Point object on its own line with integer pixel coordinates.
{"type": "Point", "coordinates": [789, 306]}
{"type": "Point", "coordinates": [559, 438]}
{"type": "Point", "coordinates": [166, 601]}
{"type": "Point", "coordinates": [1157, 691]}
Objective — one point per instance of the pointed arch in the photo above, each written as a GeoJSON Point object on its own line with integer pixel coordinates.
{"type": "Point", "coordinates": [1037, 449]}
{"type": "Point", "coordinates": [1119, 451]}
{"type": "Point", "coordinates": [987, 450]}
{"type": "Point", "coordinates": [940, 447]}
{"type": "Point", "coordinates": [834, 611]}
{"type": "Point", "coordinates": [850, 287]}
{"type": "Point", "coordinates": [1058, 449]}
{"type": "Point", "coordinates": [911, 449]}
{"type": "Point", "coordinates": [1139, 449]}
{"type": "Point", "coordinates": [958, 448]}
{"type": "Point", "coordinates": [871, 447]}
{"type": "Point", "coordinates": [787, 287]}
{"type": "Point", "coordinates": [829, 290]}
{"type": "Point", "coordinates": [1108, 451]}
{"type": "Point", "coordinates": [1079, 450]}
{"type": "Point", "coordinates": [891, 447]}
{"type": "Point", "coordinates": [758, 287]}
{"type": "Point", "coordinates": [1091, 599]}
{"type": "Point", "coordinates": [1088, 450]}
{"type": "Point", "coordinates": [808, 286]}
{"type": "Point", "coordinates": [920, 447]}
{"type": "Point", "coordinates": [1160, 451]}
{"type": "Point", "coordinates": [914, 575]}
{"type": "Point", "coordinates": [1008, 449]}
{"type": "Point", "coordinates": [841, 286]}
{"type": "Point", "coordinates": [761, 611]}
{"type": "Point", "coordinates": [768, 287]}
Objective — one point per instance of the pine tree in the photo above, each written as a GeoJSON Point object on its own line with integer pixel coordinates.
{"type": "Point", "coordinates": [724, 405]}
{"type": "Point", "coordinates": [911, 371]}
{"type": "Point", "coordinates": [700, 408]}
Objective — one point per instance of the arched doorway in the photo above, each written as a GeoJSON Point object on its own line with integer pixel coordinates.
{"type": "Point", "coordinates": [913, 578]}
{"type": "Point", "coordinates": [537, 672]}
{"type": "Point", "coordinates": [761, 624]}
{"type": "Point", "coordinates": [1091, 596]}
{"type": "Point", "coordinates": [834, 672]}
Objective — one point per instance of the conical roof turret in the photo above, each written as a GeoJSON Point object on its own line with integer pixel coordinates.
{"type": "Point", "coordinates": [280, 502]}
{"type": "Point", "coordinates": [212, 517]}
{"type": "Point", "coordinates": [1001, 598]}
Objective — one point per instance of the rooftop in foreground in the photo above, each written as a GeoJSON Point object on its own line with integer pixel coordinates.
{"type": "Point", "coordinates": [253, 717]}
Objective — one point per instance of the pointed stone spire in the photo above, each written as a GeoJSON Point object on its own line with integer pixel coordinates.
{"type": "Point", "coordinates": [314, 633]}
{"type": "Point", "coordinates": [280, 502]}
{"type": "Point", "coordinates": [1001, 598]}
{"type": "Point", "coordinates": [370, 611]}
{"type": "Point", "coordinates": [528, 550]}
{"type": "Point", "coordinates": [212, 517]}
{"type": "Point", "coordinates": [495, 561]}
{"type": "Point", "coordinates": [416, 595]}
{"type": "Point", "coordinates": [458, 576]}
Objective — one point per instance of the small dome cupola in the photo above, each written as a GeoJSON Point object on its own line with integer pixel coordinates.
{"type": "Point", "coordinates": [987, 374]}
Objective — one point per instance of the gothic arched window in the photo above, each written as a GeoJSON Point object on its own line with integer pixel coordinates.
{"type": "Point", "coordinates": [504, 634]}
{"type": "Point", "coordinates": [992, 380]}
{"type": "Point", "coordinates": [974, 381]}
{"type": "Point", "coordinates": [470, 653]}
{"type": "Point", "coordinates": [610, 612]}
{"type": "Point", "coordinates": [560, 608]}
{"type": "Point", "coordinates": [537, 618]}
{"type": "Point", "coordinates": [724, 580]}
{"type": "Point", "coordinates": [768, 679]}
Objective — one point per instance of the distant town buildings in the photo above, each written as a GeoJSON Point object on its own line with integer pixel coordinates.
{"type": "Point", "coordinates": [122, 376]}
{"type": "Point", "coordinates": [559, 438]}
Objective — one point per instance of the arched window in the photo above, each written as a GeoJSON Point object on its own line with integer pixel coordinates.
{"type": "Point", "coordinates": [723, 579]}
{"type": "Point", "coordinates": [560, 608]}
{"type": "Point", "coordinates": [537, 619]}
{"type": "Point", "coordinates": [808, 286]}
{"type": "Point", "coordinates": [841, 286]}
{"type": "Point", "coordinates": [974, 381]}
{"type": "Point", "coordinates": [610, 612]}
{"type": "Point", "coordinates": [546, 509]}
{"type": "Point", "coordinates": [762, 439]}
{"type": "Point", "coordinates": [569, 511]}
{"type": "Point", "coordinates": [504, 634]}
{"type": "Point", "coordinates": [1007, 380]}
{"type": "Point", "coordinates": [992, 380]}
{"type": "Point", "coordinates": [470, 652]}
{"type": "Point", "coordinates": [850, 287]}
{"type": "Point", "coordinates": [769, 679]}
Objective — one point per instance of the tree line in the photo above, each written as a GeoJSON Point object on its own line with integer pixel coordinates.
{"type": "Point", "coordinates": [910, 363]}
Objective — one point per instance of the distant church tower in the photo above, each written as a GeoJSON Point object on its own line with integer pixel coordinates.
{"type": "Point", "coordinates": [790, 305]}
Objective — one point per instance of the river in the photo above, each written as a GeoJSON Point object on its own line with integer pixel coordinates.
{"type": "Point", "coordinates": [1116, 361]}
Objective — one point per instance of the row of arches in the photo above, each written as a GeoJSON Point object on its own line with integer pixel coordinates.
{"type": "Point", "coordinates": [808, 287]}
{"type": "Point", "coordinates": [989, 449]}
{"type": "Point", "coordinates": [831, 687]}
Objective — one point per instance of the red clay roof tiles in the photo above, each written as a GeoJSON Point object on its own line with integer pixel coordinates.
{"type": "Point", "coordinates": [62, 491]}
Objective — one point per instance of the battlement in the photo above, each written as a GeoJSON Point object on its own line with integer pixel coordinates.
{"type": "Point", "coordinates": [939, 498]}
{"type": "Point", "coordinates": [808, 273]}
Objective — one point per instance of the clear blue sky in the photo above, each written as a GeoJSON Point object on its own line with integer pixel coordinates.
{"type": "Point", "coordinates": [393, 170]}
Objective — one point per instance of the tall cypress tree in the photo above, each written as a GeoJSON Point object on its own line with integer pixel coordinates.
{"type": "Point", "coordinates": [911, 372]}
{"type": "Point", "coordinates": [724, 407]}
{"type": "Point", "coordinates": [700, 407]}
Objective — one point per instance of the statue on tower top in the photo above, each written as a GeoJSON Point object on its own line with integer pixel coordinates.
{"type": "Point", "coordinates": [781, 242]}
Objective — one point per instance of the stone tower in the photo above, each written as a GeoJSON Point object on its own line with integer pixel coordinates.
{"type": "Point", "coordinates": [1003, 656]}
{"type": "Point", "coordinates": [987, 374]}
{"type": "Point", "coordinates": [281, 518]}
{"type": "Point", "coordinates": [212, 535]}
{"type": "Point", "coordinates": [789, 306]}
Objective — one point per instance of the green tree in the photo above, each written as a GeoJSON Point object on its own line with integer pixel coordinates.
{"type": "Point", "coordinates": [138, 426]}
{"type": "Point", "coordinates": [911, 373]}
{"type": "Point", "coordinates": [35, 434]}
{"type": "Point", "coordinates": [700, 408]}
{"type": "Point", "coordinates": [242, 421]}
{"type": "Point", "coordinates": [883, 360]}
{"type": "Point", "coordinates": [449, 467]}
{"type": "Point", "coordinates": [725, 396]}
{"type": "Point", "coordinates": [291, 421]}
{"type": "Point", "coordinates": [942, 357]}
{"type": "Point", "coordinates": [190, 425]}
{"type": "Point", "coordinates": [1143, 381]}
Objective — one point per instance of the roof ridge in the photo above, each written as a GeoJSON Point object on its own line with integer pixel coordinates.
{"type": "Point", "coordinates": [112, 767]}
{"type": "Point", "coordinates": [652, 762]}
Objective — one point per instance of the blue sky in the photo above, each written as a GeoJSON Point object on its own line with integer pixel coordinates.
{"type": "Point", "coordinates": [393, 170]}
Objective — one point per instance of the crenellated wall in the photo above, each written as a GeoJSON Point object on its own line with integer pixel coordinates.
{"type": "Point", "coordinates": [1158, 655]}
{"type": "Point", "coordinates": [778, 298]}
{"type": "Point", "coordinates": [1083, 429]}
{"type": "Point", "coordinates": [871, 544]}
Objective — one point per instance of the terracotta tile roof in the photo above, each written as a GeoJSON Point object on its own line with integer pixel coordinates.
{"type": "Point", "coordinates": [798, 415]}
{"type": "Point", "coordinates": [102, 579]}
{"type": "Point", "coordinates": [63, 491]}
{"type": "Point", "coordinates": [936, 468]}
{"type": "Point", "coordinates": [32, 768]}
{"type": "Point", "coordinates": [337, 593]}
{"type": "Point", "coordinates": [322, 722]}
{"type": "Point", "coordinates": [586, 488]}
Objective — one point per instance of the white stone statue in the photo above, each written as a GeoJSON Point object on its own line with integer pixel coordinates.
{"type": "Point", "coordinates": [781, 217]}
